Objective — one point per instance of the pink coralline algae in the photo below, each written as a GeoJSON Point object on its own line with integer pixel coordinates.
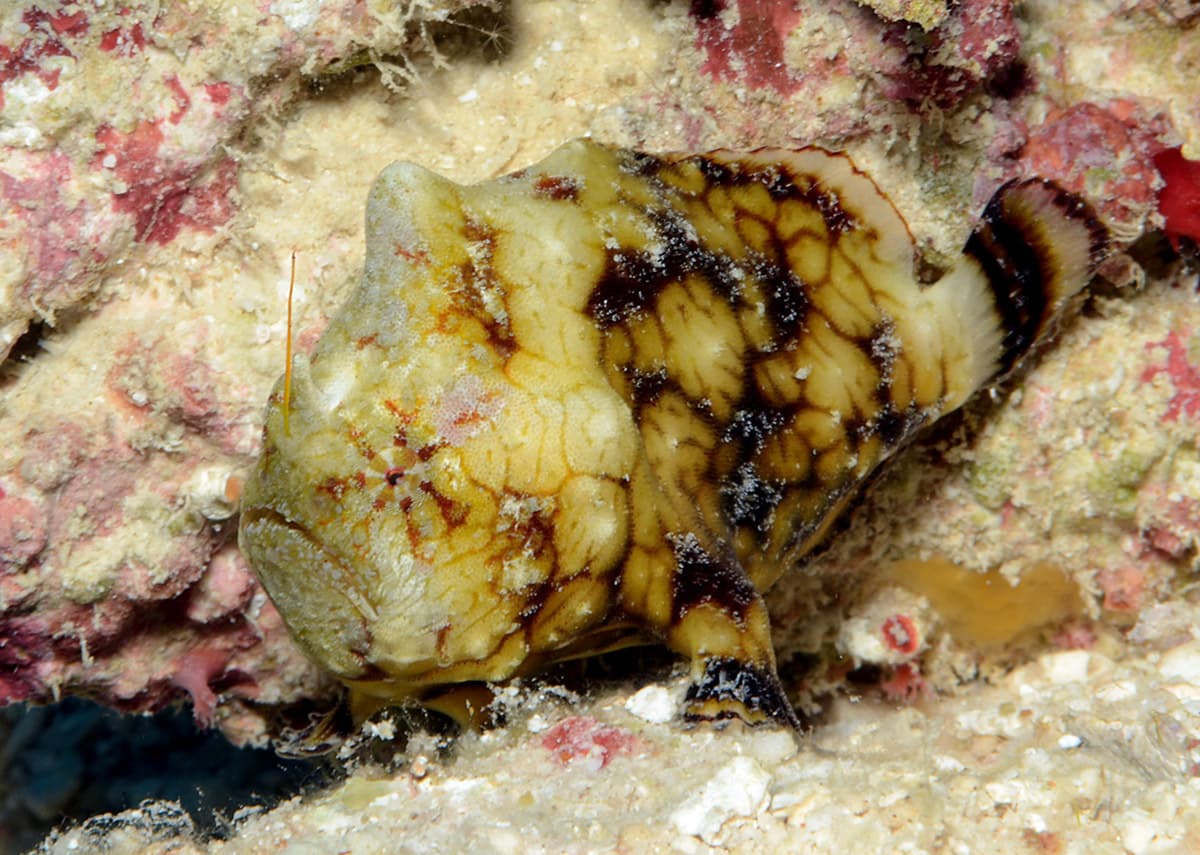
{"type": "Point", "coordinates": [905, 684]}
{"type": "Point", "coordinates": [31, 186]}
{"type": "Point", "coordinates": [22, 529]}
{"type": "Point", "coordinates": [142, 157]}
{"type": "Point", "coordinates": [117, 574]}
{"type": "Point", "coordinates": [127, 41]}
{"type": "Point", "coordinates": [835, 72]}
{"type": "Point", "coordinates": [170, 376]}
{"type": "Point", "coordinates": [1184, 375]}
{"type": "Point", "coordinates": [163, 194]}
{"type": "Point", "coordinates": [1170, 520]}
{"type": "Point", "coordinates": [583, 738]}
{"type": "Point", "coordinates": [225, 589]}
{"type": "Point", "coordinates": [73, 197]}
{"type": "Point", "coordinates": [119, 577]}
{"type": "Point", "coordinates": [162, 189]}
{"type": "Point", "coordinates": [1104, 151]}
{"type": "Point", "coordinates": [1075, 636]}
{"type": "Point", "coordinates": [745, 42]}
{"type": "Point", "coordinates": [42, 37]}
{"type": "Point", "coordinates": [24, 658]}
{"type": "Point", "coordinates": [1124, 588]}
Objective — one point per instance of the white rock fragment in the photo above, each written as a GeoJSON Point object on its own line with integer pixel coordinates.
{"type": "Point", "coordinates": [1115, 692]}
{"type": "Point", "coordinates": [1162, 624]}
{"type": "Point", "coordinates": [1143, 834]}
{"type": "Point", "coordinates": [507, 841]}
{"type": "Point", "coordinates": [208, 492]}
{"type": "Point", "coordinates": [1182, 663]}
{"type": "Point", "coordinates": [946, 763]}
{"type": "Point", "coordinates": [1006, 792]}
{"type": "Point", "coordinates": [385, 730]}
{"type": "Point", "coordinates": [1186, 693]}
{"type": "Point", "coordinates": [653, 704]}
{"type": "Point", "coordinates": [772, 747]}
{"type": "Point", "coordinates": [1068, 741]}
{"type": "Point", "coordinates": [1069, 666]}
{"type": "Point", "coordinates": [739, 788]}
{"type": "Point", "coordinates": [297, 14]}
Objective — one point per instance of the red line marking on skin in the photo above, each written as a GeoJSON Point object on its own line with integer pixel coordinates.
{"type": "Point", "coordinates": [416, 256]}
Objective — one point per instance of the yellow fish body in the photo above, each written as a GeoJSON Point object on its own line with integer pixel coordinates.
{"type": "Point", "coordinates": [610, 398]}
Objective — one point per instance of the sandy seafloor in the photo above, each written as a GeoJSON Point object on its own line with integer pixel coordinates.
{"type": "Point", "coordinates": [1053, 704]}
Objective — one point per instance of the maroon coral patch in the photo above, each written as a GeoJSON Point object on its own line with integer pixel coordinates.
{"type": "Point", "coordinates": [752, 50]}
{"type": "Point", "coordinates": [978, 42]}
{"type": "Point", "coordinates": [23, 651]}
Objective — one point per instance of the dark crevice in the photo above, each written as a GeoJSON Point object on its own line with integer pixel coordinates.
{"type": "Point", "coordinates": [74, 760]}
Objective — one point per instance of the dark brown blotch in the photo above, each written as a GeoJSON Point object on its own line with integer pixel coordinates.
{"type": "Point", "coordinates": [557, 187]}
{"type": "Point", "coordinates": [535, 531]}
{"type": "Point", "coordinates": [837, 219]}
{"type": "Point", "coordinates": [1015, 272]}
{"type": "Point", "coordinates": [787, 295]}
{"type": "Point", "coordinates": [754, 687]}
{"type": "Point", "coordinates": [632, 280]}
{"type": "Point", "coordinates": [648, 386]}
{"type": "Point", "coordinates": [334, 487]}
{"type": "Point", "coordinates": [749, 500]}
{"type": "Point", "coordinates": [478, 277]}
{"type": "Point", "coordinates": [426, 452]}
{"type": "Point", "coordinates": [702, 579]}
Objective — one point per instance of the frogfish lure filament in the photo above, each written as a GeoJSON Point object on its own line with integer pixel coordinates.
{"type": "Point", "coordinates": [287, 371]}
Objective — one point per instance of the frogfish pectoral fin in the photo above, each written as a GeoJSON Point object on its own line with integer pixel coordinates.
{"type": "Point", "coordinates": [732, 689]}
{"type": "Point", "coordinates": [720, 621]}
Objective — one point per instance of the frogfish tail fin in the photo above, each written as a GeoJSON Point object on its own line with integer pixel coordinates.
{"type": "Point", "coordinates": [1036, 246]}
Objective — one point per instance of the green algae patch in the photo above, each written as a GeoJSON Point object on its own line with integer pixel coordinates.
{"type": "Point", "coordinates": [990, 478]}
{"type": "Point", "coordinates": [1114, 487]}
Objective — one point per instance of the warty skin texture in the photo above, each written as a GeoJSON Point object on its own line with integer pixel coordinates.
{"type": "Point", "coordinates": [609, 399]}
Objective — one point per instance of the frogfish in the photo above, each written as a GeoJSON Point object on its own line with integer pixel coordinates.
{"type": "Point", "coordinates": [610, 399]}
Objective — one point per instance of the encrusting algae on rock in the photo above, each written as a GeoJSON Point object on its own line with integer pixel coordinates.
{"type": "Point", "coordinates": [610, 399]}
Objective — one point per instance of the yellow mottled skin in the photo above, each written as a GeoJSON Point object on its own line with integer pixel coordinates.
{"type": "Point", "coordinates": [608, 399]}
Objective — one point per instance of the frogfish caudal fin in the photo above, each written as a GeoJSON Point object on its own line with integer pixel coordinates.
{"type": "Point", "coordinates": [1035, 247]}
{"type": "Point", "coordinates": [611, 398]}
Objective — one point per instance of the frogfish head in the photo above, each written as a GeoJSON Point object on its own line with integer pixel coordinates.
{"type": "Point", "coordinates": [416, 515]}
